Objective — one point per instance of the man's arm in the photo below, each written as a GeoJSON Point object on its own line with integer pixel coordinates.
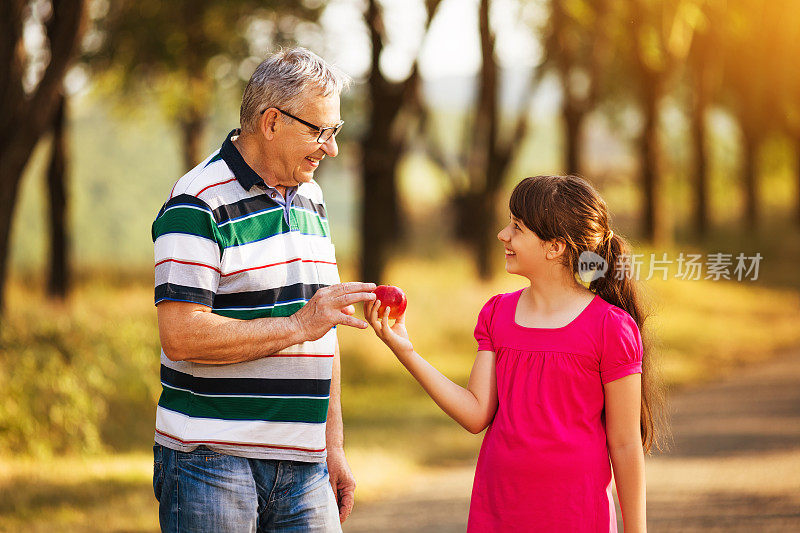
{"type": "Point", "coordinates": [342, 480]}
{"type": "Point", "coordinates": [191, 332]}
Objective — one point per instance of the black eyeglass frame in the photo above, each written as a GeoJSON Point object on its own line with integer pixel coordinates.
{"type": "Point", "coordinates": [334, 129]}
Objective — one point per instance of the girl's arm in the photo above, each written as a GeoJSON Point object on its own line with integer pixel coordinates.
{"type": "Point", "coordinates": [623, 434]}
{"type": "Point", "coordinates": [473, 407]}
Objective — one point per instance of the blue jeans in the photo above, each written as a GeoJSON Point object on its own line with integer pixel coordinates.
{"type": "Point", "coordinates": [205, 491]}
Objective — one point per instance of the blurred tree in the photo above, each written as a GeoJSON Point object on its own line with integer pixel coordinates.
{"type": "Point", "coordinates": [488, 150]}
{"type": "Point", "coordinates": [392, 106]}
{"type": "Point", "coordinates": [705, 80]}
{"type": "Point", "coordinates": [577, 49]}
{"type": "Point", "coordinates": [787, 41]}
{"type": "Point", "coordinates": [658, 40]}
{"type": "Point", "coordinates": [31, 76]}
{"type": "Point", "coordinates": [175, 47]}
{"type": "Point", "coordinates": [58, 280]}
{"type": "Point", "coordinates": [751, 65]}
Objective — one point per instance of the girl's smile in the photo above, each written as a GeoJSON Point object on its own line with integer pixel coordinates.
{"type": "Point", "coordinates": [523, 250]}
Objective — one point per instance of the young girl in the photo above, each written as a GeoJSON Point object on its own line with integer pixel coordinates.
{"type": "Point", "coordinates": [561, 377]}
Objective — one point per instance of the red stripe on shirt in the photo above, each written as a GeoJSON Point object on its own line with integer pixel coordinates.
{"type": "Point", "coordinates": [280, 263]}
{"type": "Point", "coordinates": [301, 355]}
{"type": "Point", "coordinates": [230, 443]}
{"type": "Point", "coordinates": [187, 263]}
{"type": "Point", "coordinates": [214, 185]}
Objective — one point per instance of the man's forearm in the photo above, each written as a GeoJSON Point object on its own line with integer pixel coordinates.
{"type": "Point", "coordinates": [208, 338]}
{"type": "Point", "coordinates": [191, 332]}
{"type": "Point", "coordinates": [334, 429]}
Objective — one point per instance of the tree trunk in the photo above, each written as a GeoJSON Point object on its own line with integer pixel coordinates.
{"type": "Point", "coordinates": [379, 211]}
{"type": "Point", "coordinates": [750, 177]}
{"type": "Point", "coordinates": [25, 117]}
{"type": "Point", "coordinates": [488, 245]}
{"type": "Point", "coordinates": [476, 212]}
{"type": "Point", "coordinates": [192, 131]}
{"type": "Point", "coordinates": [700, 164]}
{"type": "Point", "coordinates": [572, 131]}
{"type": "Point", "coordinates": [797, 176]}
{"type": "Point", "coordinates": [564, 53]}
{"type": "Point", "coordinates": [485, 214]}
{"type": "Point", "coordinates": [486, 166]}
{"type": "Point", "coordinates": [8, 196]}
{"type": "Point", "coordinates": [654, 223]}
{"type": "Point", "coordinates": [382, 147]}
{"type": "Point", "coordinates": [193, 115]}
{"type": "Point", "coordinates": [59, 275]}
{"type": "Point", "coordinates": [475, 216]}
{"type": "Point", "coordinates": [487, 159]}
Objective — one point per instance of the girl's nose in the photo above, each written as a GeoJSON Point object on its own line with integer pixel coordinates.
{"type": "Point", "coordinates": [502, 234]}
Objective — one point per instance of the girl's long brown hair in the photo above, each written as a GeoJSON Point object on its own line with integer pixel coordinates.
{"type": "Point", "coordinates": [569, 209]}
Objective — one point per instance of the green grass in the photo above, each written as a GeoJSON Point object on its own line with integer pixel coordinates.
{"type": "Point", "coordinates": [97, 493]}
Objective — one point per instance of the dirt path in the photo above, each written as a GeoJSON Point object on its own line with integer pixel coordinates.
{"type": "Point", "coordinates": [734, 466]}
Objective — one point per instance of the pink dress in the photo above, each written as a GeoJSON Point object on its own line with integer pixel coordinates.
{"type": "Point", "coordinates": [544, 464]}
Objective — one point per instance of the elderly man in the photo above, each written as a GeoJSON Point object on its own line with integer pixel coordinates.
{"type": "Point", "coordinates": [248, 425]}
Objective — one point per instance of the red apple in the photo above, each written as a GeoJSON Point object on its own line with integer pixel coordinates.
{"type": "Point", "coordinates": [391, 297]}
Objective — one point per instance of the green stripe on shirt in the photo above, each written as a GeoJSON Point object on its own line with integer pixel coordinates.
{"type": "Point", "coordinates": [312, 410]}
{"type": "Point", "coordinates": [185, 219]}
{"type": "Point", "coordinates": [269, 224]}
{"type": "Point", "coordinates": [279, 310]}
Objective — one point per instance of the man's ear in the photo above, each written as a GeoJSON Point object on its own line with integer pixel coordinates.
{"type": "Point", "coordinates": [269, 123]}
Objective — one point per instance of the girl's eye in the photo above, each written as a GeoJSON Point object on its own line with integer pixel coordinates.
{"type": "Point", "coordinates": [516, 226]}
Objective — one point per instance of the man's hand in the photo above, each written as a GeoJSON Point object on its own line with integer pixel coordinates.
{"type": "Point", "coordinates": [342, 481]}
{"type": "Point", "coordinates": [331, 306]}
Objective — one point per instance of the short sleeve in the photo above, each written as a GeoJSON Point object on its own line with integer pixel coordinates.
{"type": "Point", "coordinates": [187, 251]}
{"type": "Point", "coordinates": [622, 346]}
{"type": "Point", "coordinates": [483, 327]}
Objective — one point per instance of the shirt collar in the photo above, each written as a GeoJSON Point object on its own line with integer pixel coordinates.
{"type": "Point", "coordinates": [246, 176]}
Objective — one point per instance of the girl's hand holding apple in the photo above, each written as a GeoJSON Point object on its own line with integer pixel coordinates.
{"type": "Point", "coordinates": [378, 313]}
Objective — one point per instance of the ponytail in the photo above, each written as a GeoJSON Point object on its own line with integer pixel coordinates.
{"type": "Point", "coordinates": [619, 288]}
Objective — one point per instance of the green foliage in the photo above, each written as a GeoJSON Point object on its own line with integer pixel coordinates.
{"type": "Point", "coordinates": [181, 52]}
{"type": "Point", "coordinates": [80, 376]}
{"type": "Point", "coordinates": [143, 40]}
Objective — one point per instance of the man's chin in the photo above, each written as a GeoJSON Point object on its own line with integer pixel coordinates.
{"type": "Point", "coordinates": [303, 177]}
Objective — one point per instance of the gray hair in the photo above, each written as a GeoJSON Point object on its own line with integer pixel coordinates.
{"type": "Point", "coordinates": [284, 79]}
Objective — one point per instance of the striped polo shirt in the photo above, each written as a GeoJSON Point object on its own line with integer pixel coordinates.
{"type": "Point", "coordinates": [226, 240]}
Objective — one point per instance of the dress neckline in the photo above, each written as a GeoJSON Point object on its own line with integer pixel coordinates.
{"type": "Point", "coordinates": [534, 328]}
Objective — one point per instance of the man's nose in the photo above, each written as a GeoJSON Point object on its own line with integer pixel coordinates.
{"type": "Point", "coordinates": [330, 147]}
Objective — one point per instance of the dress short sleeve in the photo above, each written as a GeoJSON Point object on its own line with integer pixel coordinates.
{"type": "Point", "coordinates": [622, 346]}
{"type": "Point", "coordinates": [483, 327]}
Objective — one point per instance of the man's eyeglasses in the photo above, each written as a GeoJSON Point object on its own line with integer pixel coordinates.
{"type": "Point", "coordinates": [324, 133]}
